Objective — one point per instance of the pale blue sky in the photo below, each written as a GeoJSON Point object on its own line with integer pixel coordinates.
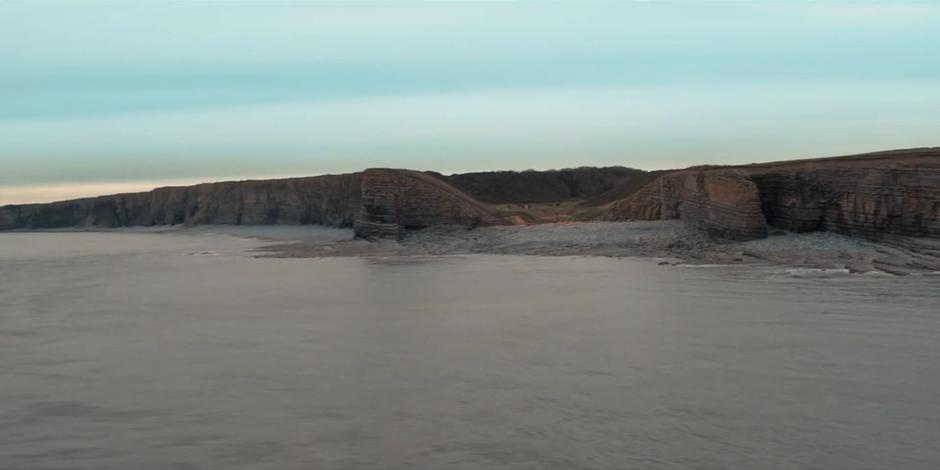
{"type": "Point", "coordinates": [97, 95]}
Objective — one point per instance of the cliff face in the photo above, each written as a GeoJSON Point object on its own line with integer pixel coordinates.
{"type": "Point", "coordinates": [326, 200]}
{"type": "Point", "coordinates": [376, 202]}
{"type": "Point", "coordinates": [870, 196]}
{"type": "Point", "coordinates": [866, 198]}
{"type": "Point", "coordinates": [724, 203]}
{"type": "Point", "coordinates": [397, 200]}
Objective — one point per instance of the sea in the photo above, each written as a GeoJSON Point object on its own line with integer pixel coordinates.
{"type": "Point", "coordinates": [192, 350]}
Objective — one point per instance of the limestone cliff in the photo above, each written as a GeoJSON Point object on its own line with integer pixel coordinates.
{"type": "Point", "coordinates": [515, 187]}
{"type": "Point", "coordinates": [724, 203]}
{"type": "Point", "coordinates": [398, 200]}
{"type": "Point", "coordinates": [326, 200]}
{"type": "Point", "coordinates": [869, 195]}
{"type": "Point", "coordinates": [379, 202]}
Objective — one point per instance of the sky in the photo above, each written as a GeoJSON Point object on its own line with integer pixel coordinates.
{"type": "Point", "coordinates": [104, 97]}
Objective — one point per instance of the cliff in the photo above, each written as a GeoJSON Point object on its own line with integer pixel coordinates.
{"type": "Point", "coordinates": [397, 200]}
{"type": "Point", "coordinates": [894, 193]}
{"type": "Point", "coordinates": [724, 203]}
{"type": "Point", "coordinates": [378, 202]}
{"type": "Point", "coordinates": [869, 195]}
{"type": "Point", "coordinates": [326, 200]}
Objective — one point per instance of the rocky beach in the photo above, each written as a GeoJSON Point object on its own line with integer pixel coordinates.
{"type": "Point", "coordinates": [668, 242]}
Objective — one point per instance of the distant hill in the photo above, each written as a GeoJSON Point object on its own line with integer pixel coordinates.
{"type": "Point", "coordinates": [502, 187]}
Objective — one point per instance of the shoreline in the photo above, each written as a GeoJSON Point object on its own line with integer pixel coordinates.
{"type": "Point", "coordinates": [669, 242]}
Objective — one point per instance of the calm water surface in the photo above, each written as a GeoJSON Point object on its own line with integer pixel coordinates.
{"type": "Point", "coordinates": [159, 351]}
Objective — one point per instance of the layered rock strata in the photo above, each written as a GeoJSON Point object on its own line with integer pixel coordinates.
{"type": "Point", "coordinates": [397, 200]}
{"type": "Point", "coordinates": [724, 203]}
{"type": "Point", "coordinates": [331, 200]}
{"type": "Point", "coordinates": [893, 193]}
{"type": "Point", "coordinates": [869, 197]}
